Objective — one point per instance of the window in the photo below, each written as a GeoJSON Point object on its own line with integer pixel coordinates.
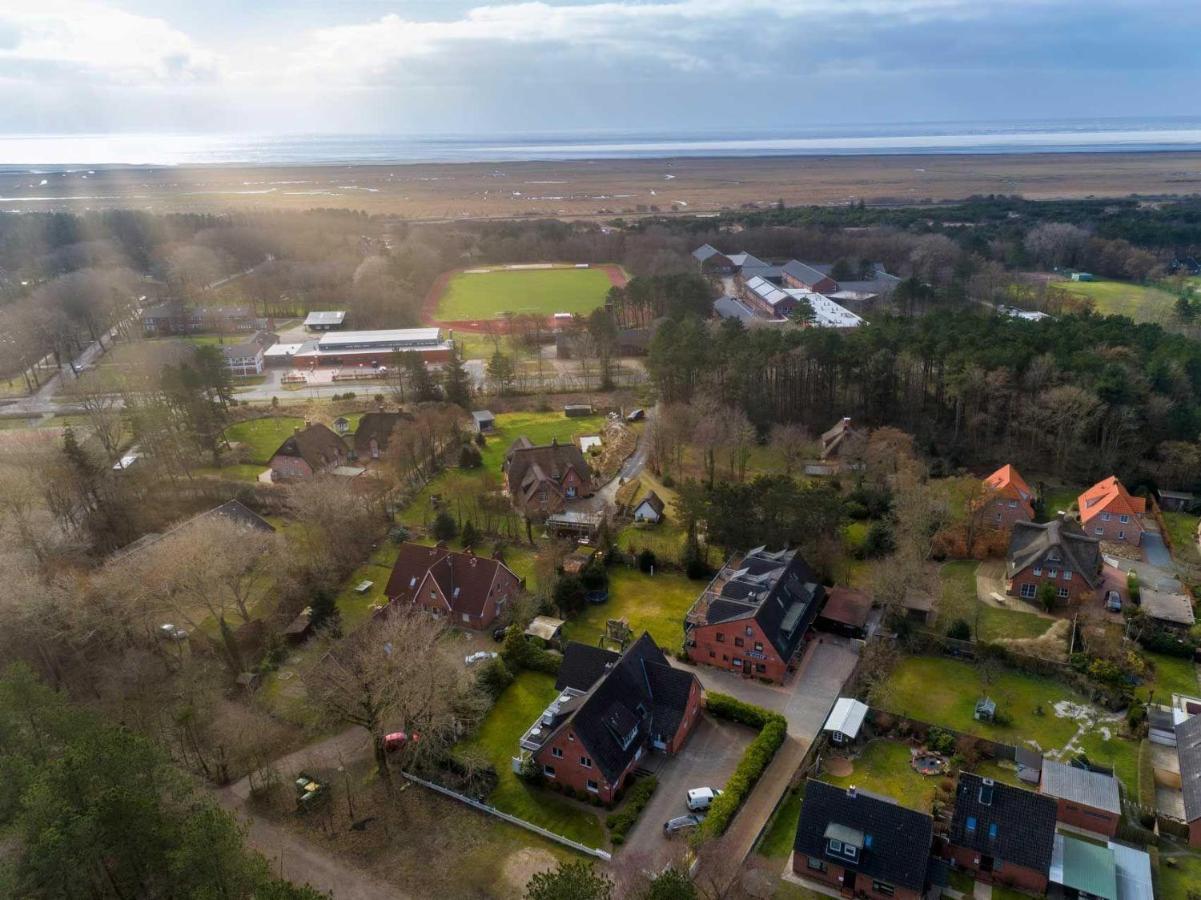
{"type": "Point", "coordinates": [749, 631]}
{"type": "Point", "coordinates": [1051, 573]}
{"type": "Point", "coordinates": [1099, 532]}
{"type": "Point", "coordinates": [1121, 535]}
{"type": "Point", "coordinates": [816, 865]}
{"type": "Point", "coordinates": [1067, 574]}
{"type": "Point", "coordinates": [1124, 519]}
{"type": "Point", "coordinates": [850, 852]}
{"type": "Point", "coordinates": [835, 846]}
{"type": "Point", "coordinates": [992, 831]}
{"type": "Point", "coordinates": [1038, 570]}
{"type": "Point", "coordinates": [712, 655]}
{"type": "Point", "coordinates": [725, 658]}
{"type": "Point", "coordinates": [1029, 591]}
{"type": "Point", "coordinates": [971, 824]}
{"type": "Point", "coordinates": [760, 667]}
{"type": "Point", "coordinates": [433, 594]}
{"type": "Point", "coordinates": [548, 771]}
{"type": "Point", "coordinates": [758, 646]}
{"type": "Point", "coordinates": [1062, 593]}
{"type": "Point", "coordinates": [883, 887]}
{"type": "Point", "coordinates": [593, 786]}
{"type": "Point", "coordinates": [556, 752]}
{"type": "Point", "coordinates": [721, 637]}
{"type": "Point", "coordinates": [1013, 504]}
{"type": "Point", "coordinates": [738, 642]}
{"type": "Point", "coordinates": [466, 617]}
{"type": "Point", "coordinates": [1105, 517]}
{"type": "Point", "coordinates": [737, 662]}
{"type": "Point", "coordinates": [570, 492]}
{"type": "Point", "coordinates": [586, 762]}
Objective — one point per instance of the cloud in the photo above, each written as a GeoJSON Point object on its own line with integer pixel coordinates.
{"type": "Point", "coordinates": [74, 38]}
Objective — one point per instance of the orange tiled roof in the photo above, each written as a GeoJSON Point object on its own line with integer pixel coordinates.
{"type": "Point", "coordinates": [1009, 483]}
{"type": "Point", "coordinates": [1109, 496]}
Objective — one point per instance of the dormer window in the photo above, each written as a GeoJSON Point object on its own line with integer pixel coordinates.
{"type": "Point", "coordinates": [629, 738]}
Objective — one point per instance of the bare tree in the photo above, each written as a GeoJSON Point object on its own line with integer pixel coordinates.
{"type": "Point", "coordinates": [398, 675]}
{"type": "Point", "coordinates": [791, 442]}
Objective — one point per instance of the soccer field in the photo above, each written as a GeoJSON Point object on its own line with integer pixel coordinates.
{"type": "Point", "coordinates": [488, 294]}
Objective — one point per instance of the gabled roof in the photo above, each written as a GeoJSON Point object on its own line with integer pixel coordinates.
{"type": "Point", "coordinates": [1188, 752]}
{"type": "Point", "coordinates": [583, 665]}
{"type": "Point", "coordinates": [240, 514]}
{"type": "Point", "coordinates": [895, 840]}
{"type": "Point", "coordinates": [832, 439]}
{"type": "Point", "coordinates": [1167, 606]}
{"type": "Point", "coordinates": [745, 259]}
{"type": "Point", "coordinates": [378, 426]}
{"type": "Point", "coordinates": [803, 273]}
{"type": "Point", "coordinates": [465, 580]}
{"type": "Point", "coordinates": [847, 606]}
{"type": "Point", "coordinates": [1109, 496]}
{"type": "Point", "coordinates": [316, 445]}
{"type": "Point", "coordinates": [733, 308]}
{"type": "Point", "coordinates": [528, 466]}
{"type": "Point", "coordinates": [1016, 825]}
{"type": "Point", "coordinates": [244, 350]}
{"type": "Point", "coordinates": [846, 717]}
{"type": "Point", "coordinates": [1031, 543]}
{"type": "Point", "coordinates": [640, 695]}
{"type": "Point", "coordinates": [654, 501]}
{"type": "Point", "coordinates": [705, 252]}
{"type": "Point", "coordinates": [1092, 789]}
{"type": "Point", "coordinates": [1009, 483]}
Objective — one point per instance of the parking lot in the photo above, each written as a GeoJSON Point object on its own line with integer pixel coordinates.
{"type": "Point", "coordinates": [707, 760]}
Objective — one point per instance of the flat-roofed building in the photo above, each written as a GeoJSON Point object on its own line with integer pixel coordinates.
{"type": "Point", "coordinates": [325, 320]}
{"type": "Point", "coordinates": [374, 348]}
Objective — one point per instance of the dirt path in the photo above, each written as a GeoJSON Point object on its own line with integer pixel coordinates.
{"type": "Point", "coordinates": [291, 855]}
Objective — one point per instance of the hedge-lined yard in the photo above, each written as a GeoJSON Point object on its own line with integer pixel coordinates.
{"type": "Point", "coordinates": [773, 729]}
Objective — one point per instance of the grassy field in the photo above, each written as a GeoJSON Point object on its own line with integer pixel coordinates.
{"type": "Point", "coordinates": [1181, 879]}
{"type": "Point", "coordinates": [944, 691]}
{"type": "Point", "coordinates": [1182, 532]}
{"type": "Point", "coordinates": [1139, 302]}
{"type": "Point", "coordinates": [1057, 498]}
{"type": "Point", "coordinates": [542, 291]}
{"type": "Point", "coordinates": [263, 436]}
{"type": "Point", "coordinates": [650, 603]}
{"type": "Point", "coordinates": [1173, 675]}
{"type": "Point", "coordinates": [780, 833]}
{"type": "Point", "coordinates": [521, 703]}
{"type": "Point", "coordinates": [883, 768]}
{"type": "Point", "coordinates": [958, 601]}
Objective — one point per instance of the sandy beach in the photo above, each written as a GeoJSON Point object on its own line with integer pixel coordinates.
{"type": "Point", "coordinates": [604, 188]}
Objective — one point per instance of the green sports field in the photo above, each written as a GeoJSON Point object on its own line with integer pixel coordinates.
{"type": "Point", "coordinates": [1143, 303]}
{"type": "Point", "coordinates": [486, 295]}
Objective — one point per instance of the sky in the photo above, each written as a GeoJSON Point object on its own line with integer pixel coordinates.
{"type": "Point", "coordinates": [561, 66]}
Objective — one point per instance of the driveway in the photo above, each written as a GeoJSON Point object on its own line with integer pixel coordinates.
{"type": "Point", "coordinates": [1155, 551]}
{"type": "Point", "coordinates": [707, 760]}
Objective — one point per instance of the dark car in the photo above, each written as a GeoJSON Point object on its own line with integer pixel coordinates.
{"type": "Point", "coordinates": [498, 633]}
{"type": "Point", "coordinates": [681, 823]}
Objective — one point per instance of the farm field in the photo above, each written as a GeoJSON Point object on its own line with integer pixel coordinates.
{"type": "Point", "coordinates": [1142, 303]}
{"type": "Point", "coordinates": [1045, 713]}
{"type": "Point", "coordinates": [486, 295]}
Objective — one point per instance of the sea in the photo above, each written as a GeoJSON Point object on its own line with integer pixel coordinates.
{"type": "Point", "coordinates": [28, 152]}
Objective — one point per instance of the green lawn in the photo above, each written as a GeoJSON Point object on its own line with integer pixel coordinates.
{"type": "Point", "coordinates": [1182, 532]}
{"type": "Point", "coordinates": [542, 291]}
{"type": "Point", "coordinates": [1140, 302]}
{"type": "Point", "coordinates": [521, 703]}
{"type": "Point", "coordinates": [1173, 675]}
{"type": "Point", "coordinates": [263, 436]}
{"type": "Point", "coordinates": [944, 691]}
{"type": "Point", "coordinates": [1178, 880]}
{"type": "Point", "coordinates": [235, 472]}
{"type": "Point", "coordinates": [958, 600]}
{"type": "Point", "coordinates": [780, 833]}
{"type": "Point", "coordinates": [883, 768]}
{"type": "Point", "coordinates": [650, 603]}
{"type": "Point", "coordinates": [1057, 498]}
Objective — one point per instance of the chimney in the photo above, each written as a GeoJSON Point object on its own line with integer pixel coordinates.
{"type": "Point", "coordinates": [986, 791]}
{"type": "Point", "coordinates": [852, 792]}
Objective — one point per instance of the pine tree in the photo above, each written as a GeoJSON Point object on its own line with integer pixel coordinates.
{"type": "Point", "coordinates": [456, 383]}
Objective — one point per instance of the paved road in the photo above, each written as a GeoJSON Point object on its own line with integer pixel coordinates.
{"type": "Point", "coordinates": [1155, 551]}
{"type": "Point", "coordinates": [44, 401]}
{"type": "Point", "coordinates": [297, 858]}
{"type": "Point", "coordinates": [605, 498]}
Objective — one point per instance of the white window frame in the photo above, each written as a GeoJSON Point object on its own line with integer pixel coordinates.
{"type": "Point", "coordinates": [1038, 570]}
{"type": "Point", "coordinates": [548, 771]}
{"type": "Point", "coordinates": [1033, 591]}
{"type": "Point", "coordinates": [593, 786]}
{"type": "Point", "coordinates": [1124, 519]}
{"type": "Point", "coordinates": [586, 762]}
{"type": "Point", "coordinates": [1062, 593]}
{"type": "Point", "coordinates": [1105, 517]}
{"type": "Point", "coordinates": [556, 752]}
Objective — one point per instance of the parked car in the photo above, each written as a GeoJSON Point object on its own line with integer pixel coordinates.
{"type": "Point", "coordinates": [1113, 601]}
{"type": "Point", "coordinates": [173, 632]}
{"type": "Point", "coordinates": [499, 632]}
{"type": "Point", "coordinates": [700, 798]}
{"type": "Point", "coordinates": [479, 656]}
{"type": "Point", "coordinates": [681, 823]}
{"type": "Point", "coordinates": [397, 739]}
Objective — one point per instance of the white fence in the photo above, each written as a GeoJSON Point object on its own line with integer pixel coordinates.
{"type": "Point", "coordinates": [521, 823]}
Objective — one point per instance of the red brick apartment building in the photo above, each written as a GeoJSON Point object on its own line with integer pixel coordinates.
{"type": "Point", "coordinates": [610, 711]}
{"type": "Point", "coordinates": [468, 590]}
{"type": "Point", "coordinates": [753, 616]}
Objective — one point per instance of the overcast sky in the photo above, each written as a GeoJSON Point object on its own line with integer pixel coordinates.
{"type": "Point", "coordinates": [439, 66]}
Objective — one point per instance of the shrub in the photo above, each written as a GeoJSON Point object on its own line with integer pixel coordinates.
{"type": "Point", "coordinates": [723, 706]}
{"type": "Point", "coordinates": [638, 796]}
{"type": "Point", "coordinates": [469, 457]}
{"type": "Point", "coordinates": [398, 534]}
{"type": "Point", "coordinates": [480, 439]}
{"type": "Point", "coordinates": [520, 653]}
{"type": "Point", "coordinates": [940, 740]}
{"type": "Point", "coordinates": [879, 541]}
{"type": "Point", "coordinates": [569, 594]}
{"type": "Point", "coordinates": [445, 526]}
{"type": "Point", "coordinates": [646, 560]}
{"type": "Point", "coordinates": [1132, 587]}
{"type": "Point", "coordinates": [668, 480]}
{"type": "Point", "coordinates": [756, 758]}
{"type": "Point", "coordinates": [494, 677]}
{"type": "Point", "coordinates": [960, 630]}
{"type": "Point", "coordinates": [470, 535]}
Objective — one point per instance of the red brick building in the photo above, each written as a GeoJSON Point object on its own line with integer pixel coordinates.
{"type": "Point", "coordinates": [796, 274]}
{"type": "Point", "coordinates": [1088, 800]}
{"type": "Point", "coordinates": [468, 590]}
{"type": "Point", "coordinates": [753, 617]}
{"type": "Point", "coordinates": [1002, 834]}
{"type": "Point", "coordinates": [1058, 553]}
{"type": "Point", "coordinates": [308, 452]}
{"type": "Point", "coordinates": [862, 845]}
{"type": "Point", "coordinates": [541, 480]}
{"type": "Point", "coordinates": [610, 711]}
{"type": "Point", "coordinates": [1009, 499]}
{"type": "Point", "coordinates": [1109, 512]}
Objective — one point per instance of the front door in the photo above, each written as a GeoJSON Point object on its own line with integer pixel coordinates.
{"type": "Point", "coordinates": [986, 863]}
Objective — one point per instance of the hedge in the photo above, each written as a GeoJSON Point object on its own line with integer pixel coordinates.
{"type": "Point", "coordinates": [637, 797]}
{"type": "Point", "coordinates": [773, 729]}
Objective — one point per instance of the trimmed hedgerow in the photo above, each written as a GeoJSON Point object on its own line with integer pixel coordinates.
{"type": "Point", "coordinates": [637, 797]}
{"type": "Point", "coordinates": [773, 729]}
